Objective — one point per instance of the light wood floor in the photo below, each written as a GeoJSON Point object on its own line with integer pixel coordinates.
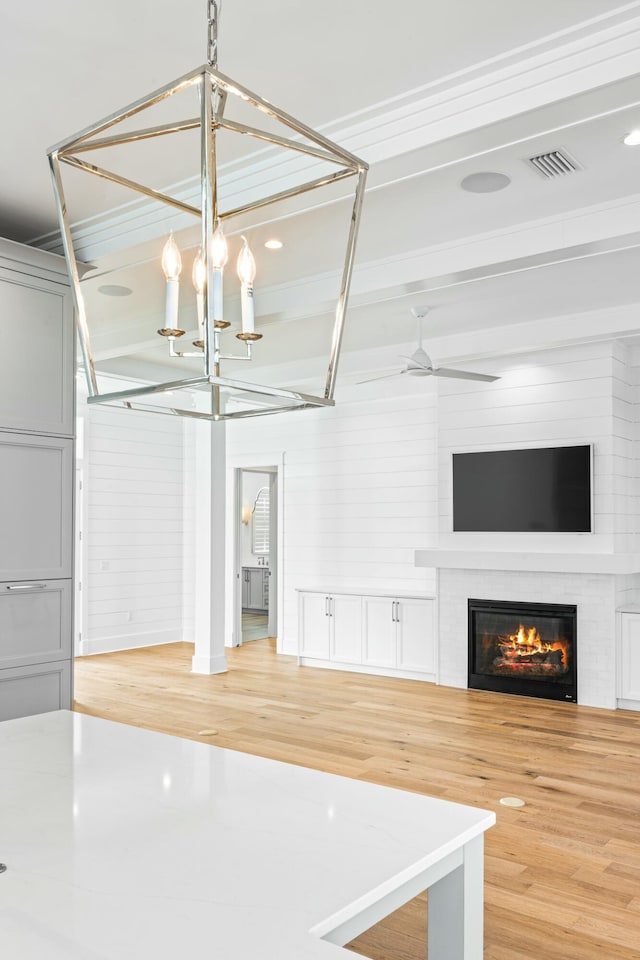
{"type": "Point", "coordinates": [562, 873]}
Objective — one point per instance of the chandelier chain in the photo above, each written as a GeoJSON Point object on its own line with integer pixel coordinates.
{"type": "Point", "coordinates": [213, 16]}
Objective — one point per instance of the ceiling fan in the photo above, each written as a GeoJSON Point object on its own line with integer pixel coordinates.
{"type": "Point", "coordinates": [419, 363]}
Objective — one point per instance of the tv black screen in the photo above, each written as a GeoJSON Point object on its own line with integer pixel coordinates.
{"type": "Point", "coordinates": [546, 490]}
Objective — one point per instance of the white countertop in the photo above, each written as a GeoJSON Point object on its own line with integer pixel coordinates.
{"type": "Point", "coordinates": [121, 843]}
{"type": "Point", "coordinates": [328, 589]}
{"type": "Point", "coordinates": [544, 562]}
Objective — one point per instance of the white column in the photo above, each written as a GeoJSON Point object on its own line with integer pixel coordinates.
{"type": "Point", "coordinates": [209, 599]}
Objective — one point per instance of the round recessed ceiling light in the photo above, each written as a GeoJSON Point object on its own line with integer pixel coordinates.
{"type": "Point", "coordinates": [273, 244]}
{"type": "Point", "coordinates": [115, 290]}
{"type": "Point", "coordinates": [632, 139]}
{"type": "Point", "coordinates": [486, 182]}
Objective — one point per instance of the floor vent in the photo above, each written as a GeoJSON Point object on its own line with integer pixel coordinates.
{"type": "Point", "coordinates": [556, 163]}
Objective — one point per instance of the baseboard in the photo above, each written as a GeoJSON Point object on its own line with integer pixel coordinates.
{"type": "Point", "coordinates": [131, 641]}
{"type": "Point", "coordinates": [365, 668]}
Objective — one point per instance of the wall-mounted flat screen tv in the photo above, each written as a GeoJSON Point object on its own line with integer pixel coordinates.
{"type": "Point", "coordinates": [539, 490]}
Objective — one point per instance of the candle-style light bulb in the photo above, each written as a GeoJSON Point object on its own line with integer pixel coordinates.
{"type": "Point", "coordinates": [246, 267]}
{"type": "Point", "coordinates": [171, 265]}
{"type": "Point", "coordinates": [171, 259]}
{"type": "Point", "coordinates": [198, 276]}
{"type": "Point", "coordinates": [219, 248]}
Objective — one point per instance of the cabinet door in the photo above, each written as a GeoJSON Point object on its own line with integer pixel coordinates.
{"type": "Point", "coordinates": [36, 525]}
{"type": "Point", "coordinates": [36, 374]}
{"type": "Point", "coordinates": [35, 622]}
{"type": "Point", "coordinates": [378, 632]}
{"type": "Point", "coordinates": [245, 588]}
{"type": "Point", "coordinates": [416, 635]}
{"type": "Point", "coordinates": [37, 689]}
{"type": "Point", "coordinates": [346, 628]}
{"type": "Point", "coordinates": [256, 592]}
{"type": "Point", "coordinates": [629, 685]}
{"type": "Point", "coordinates": [313, 625]}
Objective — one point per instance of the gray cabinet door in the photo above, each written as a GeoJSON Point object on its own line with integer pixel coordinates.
{"type": "Point", "coordinates": [36, 374]}
{"type": "Point", "coordinates": [35, 622]}
{"type": "Point", "coordinates": [245, 588]}
{"type": "Point", "coordinates": [256, 590]}
{"type": "Point", "coordinates": [36, 518]}
{"type": "Point", "coordinates": [36, 689]}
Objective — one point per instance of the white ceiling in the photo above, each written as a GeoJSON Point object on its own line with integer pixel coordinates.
{"type": "Point", "coordinates": [428, 93]}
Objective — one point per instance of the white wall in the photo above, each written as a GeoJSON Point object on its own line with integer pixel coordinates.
{"type": "Point", "coordinates": [133, 486]}
{"type": "Point", "coordinates": [557, 397]}
{"type": "Point", "coordinates": [359, 493]}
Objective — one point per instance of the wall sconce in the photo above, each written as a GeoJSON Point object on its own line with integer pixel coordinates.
{"type": "Point", "coordinates": [246, 515]}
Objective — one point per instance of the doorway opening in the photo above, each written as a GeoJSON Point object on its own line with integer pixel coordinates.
{"type": "Point", "coordinates": [256, 554]}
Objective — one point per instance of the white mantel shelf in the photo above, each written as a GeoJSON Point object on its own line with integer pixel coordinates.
{"type": "Point", "coordinates": [614, 563]}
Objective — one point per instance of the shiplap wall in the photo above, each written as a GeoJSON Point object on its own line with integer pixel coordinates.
{"type": "Point", "coordinates": [134, 528]}
{"type": "Point", "coordinates": [623, 453]}
{"type": "Point", "coordinates": [360, 494]}
{"type": "Point", "coordinates": [552, 398]}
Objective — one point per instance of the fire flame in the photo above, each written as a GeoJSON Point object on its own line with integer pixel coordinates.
{"type": "Point", "coordinates": [525, 642]}
{"type": "Point", "coordinates": [527, 646]}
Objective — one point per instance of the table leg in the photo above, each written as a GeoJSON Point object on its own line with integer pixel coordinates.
{"type": "Point", "coordinates": [456, 906]}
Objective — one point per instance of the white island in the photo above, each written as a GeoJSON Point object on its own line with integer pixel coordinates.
{"type": "Point", "coordinates": [121, 843]}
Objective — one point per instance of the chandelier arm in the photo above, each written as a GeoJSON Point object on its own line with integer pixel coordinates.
{"type": "Point", "coordinates": [130, 184]}
{"type": "Point", "coordinates": [131, 110]}
{"type": "Point", "coordinates": [341, 308]}
{"type": "Point", "coordinates": [285, 118]}
{"type": "Point", "coordinates": [219, 104]}
{"type": "Point", "coordinates": [285, 194]}
{"type": "Point", "coordinates": [282, 141]}
{"type": "Point", "coordinates": [74, 277]}
{"type": "Point", "coordinates": [133, 137]}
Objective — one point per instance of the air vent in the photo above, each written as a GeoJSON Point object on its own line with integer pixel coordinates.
{"type": "Point", "coordinates": [556, 163]}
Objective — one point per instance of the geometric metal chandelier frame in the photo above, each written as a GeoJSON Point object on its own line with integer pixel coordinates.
{"type": "Point", "coordinates": [214, 89]}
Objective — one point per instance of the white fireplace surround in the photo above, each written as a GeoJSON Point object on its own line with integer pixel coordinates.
{"type": "Point", "coordinates": [596, 596]}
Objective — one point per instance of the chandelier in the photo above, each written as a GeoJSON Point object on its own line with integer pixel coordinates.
{"type": "Point", "coordinates": [216, 94]}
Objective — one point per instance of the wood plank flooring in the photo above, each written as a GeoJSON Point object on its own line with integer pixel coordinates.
{"type": "Point", "coordinates": [562, 873]}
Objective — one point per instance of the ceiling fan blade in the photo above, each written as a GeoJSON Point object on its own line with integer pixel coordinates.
{"type": "Point", "coordinates": [386, 376]}
{"type": "Point", "coordinates": [462, 374]}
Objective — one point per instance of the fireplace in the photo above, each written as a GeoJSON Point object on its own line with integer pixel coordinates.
{"type": "Point", "coordinates": [523, 648]}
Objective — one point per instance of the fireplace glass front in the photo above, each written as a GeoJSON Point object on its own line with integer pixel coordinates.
{"type": "Point", "coordinates": [523, 648]}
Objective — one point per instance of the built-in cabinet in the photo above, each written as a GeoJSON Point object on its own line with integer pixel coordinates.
{"type": "Point", "coordinates": [255, 588]}
{"type": "Point", "coordinates": [629, 658]}
{"type": "Point", "coordinates": [36, 482]}
{"type": "Point", "coordinates": [375, 634]}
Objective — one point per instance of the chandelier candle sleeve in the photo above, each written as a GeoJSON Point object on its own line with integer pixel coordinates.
{"type": "Point", "coordinates": [219, 257]}
{"type": "Point", "coordinates": [198, 276]}
{"type": "Point", "coordinates": [172, 266]}
{"type": "Point", "coordinates": [247, 274]}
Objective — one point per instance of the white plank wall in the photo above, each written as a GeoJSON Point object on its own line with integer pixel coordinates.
{"type": "Point", "coordinates": [564, 396]}
{"type": "Point", "coordinates": [360, 494]}
{"type": "Point", "coordinates": [134, 537]}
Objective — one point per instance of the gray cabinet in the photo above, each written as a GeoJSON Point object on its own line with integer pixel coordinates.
{"type": "Point", "coordinates": [35, 689]}
{"type": "Point", "coordinates": [35, 622]}
{"type": "Point", "coordinates": [36, 323]}
{"type": "Point", "coordinates": [36, 503]}
{"type": "Point", "coordinates": [255, 588]}
{"type": "Point", "coordinates": [37, 421]}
